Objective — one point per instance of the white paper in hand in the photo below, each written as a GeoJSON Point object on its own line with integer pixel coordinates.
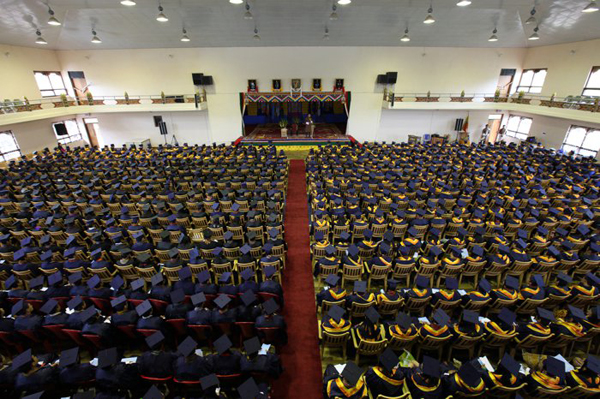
{"type": "Point", "coordinates": [264, 349]}
{"type": "Point", "coordinates": [568, 366]}
{"type": "Point", "coordinates": [340, 368]}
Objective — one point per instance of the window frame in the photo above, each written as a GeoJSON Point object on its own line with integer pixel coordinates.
{"type": "Point", "coordinates": [17, 150]}
{"type": "Point", "coordinates": [595, 69]}
{"type": "Point", "coordinates": [45, 93]}
{"type": "Point", "coordinates": [515, 134]}
{"type": "Point", "coordinates": [580, 147]}
{"type": "Point", "coordinates": [69, 138]}
{"type": "Point", "coordinates": [521, 87]}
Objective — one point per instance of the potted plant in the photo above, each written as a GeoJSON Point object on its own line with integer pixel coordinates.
{"type": "Point", "coordinates": [63, 102]}
{"type": "Point", "coordinates": [63, 99]}
{"type": "Point", "coordinates": [295, 125]}
{"type": "Point", "coordinates": [497, 94]}
{"type": "Point", "coordinates": [90, 98]}
{"type": "Point", "coordinates": [461, 99]}
{"type": "Point", "coordinates": [496, 98]}
{"type": "Point", "coordinates": [283, 125]}
{"type": "Point", "coordinates": [462, 94]}
{"type": "Point", "coordinates": [427, 98]}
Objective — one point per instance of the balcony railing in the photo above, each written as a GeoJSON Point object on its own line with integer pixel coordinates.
{"type": "Point", "coordinates": [24, 105]}
{"type": "Point", "coordinates": [582, 103]}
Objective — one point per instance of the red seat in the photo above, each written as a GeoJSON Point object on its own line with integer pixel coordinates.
{"type": "Point", "coordinates": [226, 328]}
{"type": "Point", "coordinates": [178, 325]}
{"type": "Point", "coordinates": [128, 330]}
{"type": "Point", "coordinates": [35, 303]}
{"type": "Point", "coordinates": [246, 329]}
{"type": "Point", "coordinates": [102, 304]}
{"type": "Point", "coordinates": [9, 342]}
{"type": "Point", "coordinates": [270, 335]}
{"type": "Point", "coordinates": [157, 379]}
{"type": "Point", "coordinates": [96, 340]}
{"type": "Point", "coordinates": [159, 306]}
{"type": "Point", "coordinates": [75, 335]}
{"type": "Point", "coordinates": [135, 302]}
{"type": "Point", "coordinates": [265, 296]}
{"type": "Point", "coordinates": [229, 380]}
{"type": "Point", "coordinates": [146, 332]}
{"type": "Point", "coordinates": [57, 330]}
{"type": "Point", "coordinates": [202, 333]}
{"type": "Point", "coordinates": [30, 334]}
{"type": "Point", "coordinates": [195, 382]}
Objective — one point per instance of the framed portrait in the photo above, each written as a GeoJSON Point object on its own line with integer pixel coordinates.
{"type": "Point", "coordinates": [252, 85]}
{"type": "Point", "coordinates": [296, 84]}
{"type": "Point", "coordinates": [339, 85]}
{"type": "Point", "coordinates": [316, 85]}
{"type": "Point", "coordinates": [276, 84]}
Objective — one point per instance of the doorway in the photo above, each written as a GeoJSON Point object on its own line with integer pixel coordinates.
{"type": "Point", "coordinates": [494, 122]}
{"type": "Point", "coordinates": [93, 129]}
{"type": "Point", "coordinates": [80, 85]}
{"type": "Point", "coordinates": [505, 81]}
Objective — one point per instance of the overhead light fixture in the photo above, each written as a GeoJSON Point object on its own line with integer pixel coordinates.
{"type": "Point", "coordinates": [248, 14]}
{"type": "Point", "coordinates": [326, 35]}
{"type": "Point", "coordinates": [344, 2]}
{"type": "Point", "coordinates": [592, 7]}
{"type": "Point", "coordinates": [463, 3]}
{"type": "Point", "coordinates": [535, 35]}
{"type": "Point", "coordinates": [334, 15]}
{"type": "Point", "coordinates": [256, 36]}
{"type": "Point", "coordinates": [531, 19]}
{"type": "Point", "coordinates": [405, 38]}
{"type": "Point", "coordinates": [128, 3]}
{"type": "Point", "coordinates": [161, 15]}
{"type": "Point", "coordinates": [236, 1]}
{"type": "Point", "coordinates": [95, 38]}
{"type": "Point", "coordinates": [185, 37]}
{"type": "Point", "coordinates": [52, 20]}
{"type": "Point", "coordinates": [40, 39]}
{"type": "Point", "coordinates": [493, 38]}
{"type": "Point", "coordinates": [429, 19]}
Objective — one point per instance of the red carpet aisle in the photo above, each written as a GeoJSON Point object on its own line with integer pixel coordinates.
{"type": "Point", "coordinates": [300, 357]}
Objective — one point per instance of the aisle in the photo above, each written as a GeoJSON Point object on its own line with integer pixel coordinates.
{"type": "Point", "coordinates": [300, 357]}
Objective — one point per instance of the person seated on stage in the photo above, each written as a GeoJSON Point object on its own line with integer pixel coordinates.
{"type": "Point", "coordinates": [97, 290]}
{"type": "Point", "coordinates": [551, 376]}
{"type": "Point", "coordinates": [248, 282]}
{"type": "Point", "coordinates": [349, 384]}
{"type": "Point", "coordinates": [506, 375]}
{"type": "Point", "coordinates": [593, 320]}
{"type": "Point", "coordinates": [468, 325]}
{"type": "Point", "coordinates": [177, 309]}
{"type": "Point", "coordinates": [441, 327]}
{"type": "Point", "coordinates": [205, 285]}
{"type": "Point", "coordinates": [476, 255]}
{"type": "Point", "coordinates": [466, 381]}
{"type": "Point", "coordinates": [587, 286]}
{"type": "Point", "coordinates": [481, 294]}
{"type": "Point", "coordinates": [518, 253]}
{"type": "Point", "coordinates": [223, 312]}
{"type": "Point", "coordinates": [423, 380]}
{"type": "Point", "coordinates": [550, 256]}
{"type": "Point", "coordinates": [561, 288]}
{"type": "Point", "coordinates": [226, 285]}
{"type": "Point", "coordinates": [569, 325]}
{"type": "Point", "coordinates": [412, 241]}
{"type": "Point", "coordinates": [352, 257]}
{"type": "Point", "coordinates": [568, 253]}
{"type": "Point", "coordinates": [269, 285]}
{"type": "Point", "coordinates": [421, 290]}
{"type": "Point", "coordinates": [328, 260]}
{"type": "Point", "coordinates": [334, 323]}
{"type": "Point", "coordinates": [359, 295]}
{"type": "Point", "coordinates": [157, 363]}
{"type": "Point", "coordinates": [587, 376]}
{"type": "Point", "coordinates": [248, 310]}
{"type": "Point", "coordinates": [541, 327]}
{"type": "Point", "coordinates": [368, 243]}
{"type": "Point", "coordinates": [320, 224]}
{"type": "Point", "coordinates": [269, 319]}
{"type": "Point", "coordinates": [260, 362]}
{"type": "Point", "coordinates": [430, 258]}
{"type": "Point", "coordinates": [389, 295]}
{"type": "Point", "coordinates": [122, 314]}
{"type": "Point", "coordinates": [402, 327]}
{"type": "Point", "coordinates": [94, 324]}
{"type": "Point", "coordinates": [71, 372]}
{"type": "Point", "coordinates": [25, 319]}
{"type": "Point", "coordinates": [33, 375]}
{"type": "Point", "coordinates": [188, 366]}
{"type": "Point", "coordinates": [226, 361]}
{"type": "Point", "coordinates": [510, 291]}
{"type": "Point", "coordinates": [53, 315]}
{"type": "Point", "coordinates": [535, 290]}
{"type": "Point", "coordinates": [502, 257]}
{"type": "Point", "coordinates": [386, 378]}
{"type": "Point", "coordinates": [138, 291]}
{"type": "Point", "coordinates": [185, 282]}
{"type": "Point", "coordinates": [147, 320]}
{"type": "Point", "coordinates": [453, 258]}
{"type": "Point", "coordinates": [450, 294]}
{"type": "Point", "coordinates": [140, 244]}
{"type": "Point", "coordinates": [369, 329]}
{"type": "Point", "coordinates": [35, 289]}
{"type": "Point", "coordinates": [503, 324]}
{"type": "Point", "coordinates": [332, 292]}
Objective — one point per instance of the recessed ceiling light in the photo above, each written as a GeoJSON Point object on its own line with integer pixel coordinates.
{"type": "Point", "coordinates": [531, 19]}
{"type": "Point", "coordinates": [161, 15]}
{"type": "Point", "coordinates": [95, 38]}
{"type": "Point", "coordinates": [535, 35]}
{"type": "Point", "coordinates": [40, 39]}
{"type": "Point", "coordinates": [344, 2]}
{"type": "Point", "coordinates": [405, 38]}
{"type": "Point", "coordinates": [248, 14]}
{"type": "Point", "coordinates": [52, 20]}
{"type": "Point", "coordinates": [429, 19]}
{"type": "Point", "coordinates": [185, 37]}
{"type": "Point", "coordinates": [592, 7]}
{"type": "Point", "coordinates": [128, 3]}
{"type": "Point", "coordinates": [493, 38]}
{"type": "Point", "coordinates": [236, 1]}
{"type": "Point", "coordinates": [463, 3]}
{"type": "Point", "coordinates": [334, 14]}
{"type": "Point", "coordinates": [256, 36]}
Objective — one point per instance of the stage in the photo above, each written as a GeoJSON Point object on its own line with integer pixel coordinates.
{"type": "Point", "coordinates": [325, 133]}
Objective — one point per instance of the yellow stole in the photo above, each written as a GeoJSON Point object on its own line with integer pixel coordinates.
{"type": "Point", "coordinates": [377, 370]}
{"type": "Point", "coordinates": [423, 387]}
{"type": "Point", "coordinates": [497, 381]}
{"type": "Point", "coordinates": [433, 331]}
{"type": "Point", "coordinates": [546, 380]}
{"type": "Point", "coordinates": [574, 328]}
{"type": "Point", "coordinates": [462, 384]}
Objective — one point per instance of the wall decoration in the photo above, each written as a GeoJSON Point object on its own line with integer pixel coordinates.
{"type": "Point", "coordinates": [252, 86]}
{"type": "Point", "coordinates": [316, 85]}
{"type": "Point", "coordinates": [296, 84]}
{"type": "Point", "coordinates": [339, 85]}
{"type": "Point", "coordinates": [276, 85]}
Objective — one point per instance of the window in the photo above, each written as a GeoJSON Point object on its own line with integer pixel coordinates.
{"type": "Point", "coordinates": [532, 80]}
{"type": "Point", "coordinates": [518, 127]}
{"type": "Point", "coordinates": [592, 87]}
{"type": "Point", "coordinates": [67, 131]}
{"type": "Point", "coordinates": [583, 141]}
{"type": "Point", "coordinates": [9, 148]}
{"type": "Point", "coordinates": [51, 84]}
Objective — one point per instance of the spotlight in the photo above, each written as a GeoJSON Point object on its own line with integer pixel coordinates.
{"type": "Point", "coordinates": [344, 2]}
{"type": "Point", "coordinates": [592, 7]}
{"type": "Point", "coordinates": [493, 38]}
{"type": "Point", "coordinates": [52, 20]}
{"type": "Point", "coordinates": [429, 19]}
{"type": "Point", "coordinates": [405, 38]}
{"type": "Point", "coordinates": [326, 35]}
{"type": "Point", "coordinates": [535, 35]}
{"type": "Point", "coordinates": [463, 3]}
{"type": "Point", "coordinates": [236, 1]}
{"type": "Point", "coordinates": [40, 39]}
{"type": "Point", "coordinates": [128, 3]}
{"type": "Point", "coordinates": [531, 19]}
{"type": "Point", "coordinates": [334, 15]}
{"type": "Point", "coordinates": [161, 15]}
{"type": "Point", "coordinates": [95, 38]}
{"type": "Point", "coordinates": [248, 14]}
{"type": "Point", "coordinates": [185, 37]}
{"type": "Point", "coordinates": [256, 36]}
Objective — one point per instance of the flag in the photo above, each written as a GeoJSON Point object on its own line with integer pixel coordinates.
{"type": "Point", "coordinates": [466, 124]}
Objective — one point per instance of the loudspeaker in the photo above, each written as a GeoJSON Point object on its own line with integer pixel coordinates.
{"type": "Point", "coordinates": [382, 79]}
{"type": "Point", "coordinates": [458, 125]}
{"type": "Point", "coordinates": [61, 129]}
{"type": "Point", "coordinates": [392, 77]}
{"type": "Point", "coordinates": [207, 80]}
{"type": "Point", "coordinates": [163, 128]}
{"type": "Point", "coordinates": [197, 78]}
{"type": "Point", "coordinates": [157, 120]}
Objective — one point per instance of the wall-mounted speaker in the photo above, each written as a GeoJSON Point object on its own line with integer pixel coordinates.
{"type": "Point", "coordinates": [157, 120]}
{"type": "Point", "coordinates": [197, 78]}
{"type": "Point", "coordinates": [458, 125]}
{"type": "Point", "coordinates": [382, 79]}
{"type": "Point", "coordinates": [392, 77]}
{"type": "Point", "coordinates": [207, 80]}
{"type": "Point", "coordinates": [61, 129]}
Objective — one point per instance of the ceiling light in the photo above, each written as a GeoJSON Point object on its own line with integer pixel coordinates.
{"type": "Point", "coordinates": [248, 14]}
{"type": "Point", "coordinates": [236, 1]}
{"type": "Point", "coordinates": [493, 38]}
{"type": "Point", "coordinates": [128, 3]}
{"type": "Point", "coordinates": [429, 19]}
{"type": "Point", "coordinates": [592, 7]}
{"type": "Point", "coordinates": [334, 15]}
{"type": "Point", "coordinates": [535, 35]}
{"type": "Point", "coordinates": [326, 35]}
{"type": "Point", "coordinates": [256, 36]}
{"type": "Point", "coordinates": [463, 3]}
{"type": "Point", "coordinates": [185, 37]}
{"type": "Point", "coordinates": [161, 16]}
{"type": "Point", "coordinates": [344, 2]}
{"type": "Point", "coordinates": [95, 38]}
{"type": "Point", "coordinates": [52, 20]}
{"type": "Point", "coordinates": [531, 19]}
{"type": "Point", "coordinates": [405, 38]}
{"type": "Point", "coordinates": [40, 39]}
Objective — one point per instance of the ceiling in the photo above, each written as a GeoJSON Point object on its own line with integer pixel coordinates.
{"type": "Point", "coordinates": [218, 23]}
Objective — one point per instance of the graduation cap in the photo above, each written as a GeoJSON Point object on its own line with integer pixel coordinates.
{"type": "Point", "coordinates": [249, 389]}
{"type": "Point", "coordinates": [93, 281]}
{"type": "Point", "coordinates": [360, 287]}
{"type": "Point", "coordinates": [485, 285]}
{"type": "Point", "coordinates": [561, 232]}
{"type": "Point", "coordinates": [203, 276]}
{"type": "Point", "coordinates": [553, 251]}
{"type": "Point", "coordinates": [209, 381]}
{"type": "Point", "coordinates": [352, 373]}
{"type": "Point", "coordinates": [143, 308]}
{"type": "Point", "coordinates": [353, 250]}
{"type": "Point", "coordinates": [477, 250]}
{"type": "Point", "coordinates": [470, 316]}
{"type": "Point", "coordinates": [510, 364]}
{"type": "Point", "coordinates": [248, 298]}
{"type": "Point", "coordinates": [422, 281]}
{"type": "Point", "coordinates": [592, 363]}
{"type": "Point", "coordinates": [538, 280]}
{"type": "Point", "coordinates": [69, 252]}
{"type": "Point", "coordinates": [187, 346]}
{"type": "Point", "coordinates": [564, 279]}
{"type": "Point", "coordinates": [545, 314]}
{"type": "Point", "coordinates": [75, 303]}
{"type": "Point", "coordinates": [217, 251]}
{"type": "Point", "coordinates": [36, 282]}
{"type": "Point", "coordinates": [583, 229]}
{"type": "Point", "coordinates": [20, 254]}
{"type": "Point", "coordinates": [576, 312]}
{"type": "Point", "coordinates": [222, 300]}
{"type": "Point", "coordinates": [512, 282]}
{"type": "Point", "coordinates": [153, 393]}
{"type": "Point", "coordinates": [507, 317]}
{"type": "Point", "coordinates": [345, 236]}
{"type": "Point", "coordinates": [177, 296]}
{"type": "Point", "coordinates": [225, 277]}
{"type": "Point", "coordinates": [49, 306]}
{"type": "Point", "coordinates": [22, 359]}
{"type": "Point", "coordinates": [10, 281]}
{"type": "Point", "coordinates": [555, 367]}
{"type": "Point", "coordinates": [330, 250]}
{"type": "Point", "coordinates": [431, 367]}
{"type": "Point", "coordinates": [137, 284]}
{"type": "Point", "coordinates": [247, 274]}
{"type": "Point", "coordinates": [441, 317]}
{"type": "Point", "coordinates": [245, 249]}
{"type": "Point", "coordinates": [595, 247]}
{"type": "Point", "coordinates": [68, 357]}
{"type": "Point", "coordinates": [456, 250]}
{"type": "Point", "coordinates": [184, 273]}
{"type": "Point", "coordinates": [228, 235]}
{"type": "Point", "coordinates": [198, 299]}
{"type": "Point", "coordinates": [88, 313]}
{"type": "Point", "coordinates": [388, 236]}
{"type": "Point", "coordinates": [252, 345]}
{"type": "Point", "coordinates": [26, 241]}
{"type": "Point", "coordinates": [522, 244]}
{"type": "Point", "coordinates": [503, 249]}
{"type": "Point", "coordinates": [270, 306]}
{"type": "Point", "coordinates": [115, 303]}
{"type": "Point", "coordinates": [75, 278]}
{"type": "Point", "coordinates": [435, 251]}
{"type": "Point", "coordinates": [332, 280]}
{"type": "Point", "coordinates": [413, 232]}
{"type": "Point", "coordinates": [469, 374]}
{"type": "Point", "coordinates": [336, 313]}
{"type": "Point", "coordinates": [222, 344]}
{"type": "Point", "coordinates": [403, 320]}
{"type": "Point", "coordinates": [522, 234]}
